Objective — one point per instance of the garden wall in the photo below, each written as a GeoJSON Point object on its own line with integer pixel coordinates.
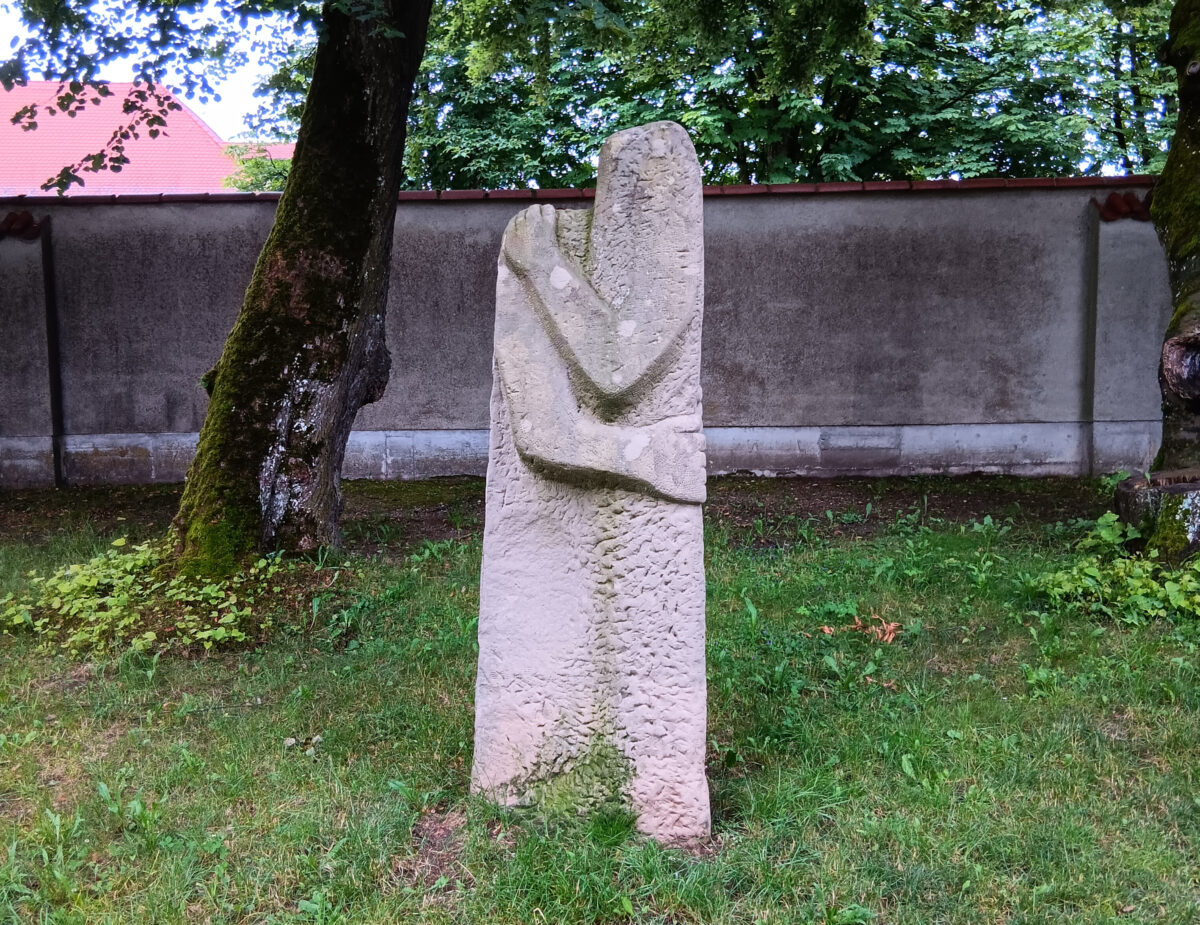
{"type": "Point", "coordinates": [849, 328]}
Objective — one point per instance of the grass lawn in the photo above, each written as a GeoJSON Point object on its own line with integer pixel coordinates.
{"type": "Point", "coordinates": [999, 760]}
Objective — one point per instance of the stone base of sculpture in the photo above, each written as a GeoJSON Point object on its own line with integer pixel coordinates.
{"type": "Point", "coordinates": [591, 685]}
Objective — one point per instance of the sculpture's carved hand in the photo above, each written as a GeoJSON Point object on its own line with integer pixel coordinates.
{"type": "Point", "coordinates": [673, 462]}
{"type": "Point", "coordinates": [530, 244]}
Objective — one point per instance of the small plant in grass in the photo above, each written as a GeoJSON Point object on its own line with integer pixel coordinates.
{"type": "Point", "coordinates": [121, 599]}
{"type": "Point", "coordinates": [846, 518]}
{"type": "Point", "coordinates": [137, 816]}
{"type": "Point", "coordinates": [1110, 581]}
{"type": "Point", "coordinates": [60, 852]}
{"type": "Point", "coordinates": [1109, 483]}
{"type": "Point", "coordinates": [319, 910]}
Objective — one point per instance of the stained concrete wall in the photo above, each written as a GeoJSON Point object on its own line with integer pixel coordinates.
{"type": "Point", "coordinates": [26, 455]}
{"type": "Point", "coordinates": [900, 330]}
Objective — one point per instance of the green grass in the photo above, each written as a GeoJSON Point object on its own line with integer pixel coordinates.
{"type": "Point", "coordinates": [997, 762]}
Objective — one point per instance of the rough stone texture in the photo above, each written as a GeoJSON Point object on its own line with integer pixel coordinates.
{"type": "Point", "coordinates": [591, 686]}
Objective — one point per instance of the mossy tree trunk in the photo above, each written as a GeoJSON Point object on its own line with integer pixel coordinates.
{"type": "Point", "coordinates": [1175, 208]}
{"type": "Point", "coordinates": [307, 350]}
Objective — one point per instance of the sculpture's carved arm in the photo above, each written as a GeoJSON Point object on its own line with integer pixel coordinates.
{"type": "Point", "coordinates": [554, 434]}
{"type": "Point", "coordinates": [578, 319]}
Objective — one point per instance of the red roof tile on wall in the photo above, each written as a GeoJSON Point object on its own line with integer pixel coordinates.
{"type": "Point", "coordinates": [187, 158]}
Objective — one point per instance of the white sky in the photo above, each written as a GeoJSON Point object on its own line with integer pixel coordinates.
{"type": "Point", "coordinates": [225, 117]}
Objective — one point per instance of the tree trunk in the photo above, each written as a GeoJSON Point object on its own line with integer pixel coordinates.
{"type": "Point", "coordinates": [1165, 506]}
{"type": "Point", "coordinates": [1176, 211]}
{"type": "Point", "coordinates": [307, 350]}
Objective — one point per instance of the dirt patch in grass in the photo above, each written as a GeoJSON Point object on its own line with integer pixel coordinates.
{"type": "Point", "coordinates": [64, 779]}
{"type": "Point", "coordinates": [97, 747]}
{"type": "Point", "coordinates": [948, 664]}
{"type": "Point", "coordinates": [771, 511]}
{"type": "Point", "coordinates": [436, 864]}
{"type": "Point", "coordinates": [65, 775]}
{"type": "Point", "coordinates": [391, 518]}
{"type": "Point", "coordinates": [16, 809]}
{"type": "Point", "coordinates": [65, 683]}
{"type": "Point", "coordinates": [1116, 726]}
{"type": "Point", "coordinates": [365, 496]}
{"type": "Point", "coordinates": [35, 515]}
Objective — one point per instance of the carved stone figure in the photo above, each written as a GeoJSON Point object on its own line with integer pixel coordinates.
{"type": "Point", "coordinates": [591, 685]}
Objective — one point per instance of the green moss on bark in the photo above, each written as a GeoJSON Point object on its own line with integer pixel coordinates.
{"type": "Point", "coordinates": [1169, 536]}
{"type": "Point", "coordinates": [1176, 201]}
{"type": "Point", "coordinates": [220, 546]}
{"type": "Point", "coordinates": [1182, 310]}
{"type": "Point", "coordinates": [1175, 207]}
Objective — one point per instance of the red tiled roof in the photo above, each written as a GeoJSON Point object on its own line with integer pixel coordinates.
{"type": "Point", "coordinates": [187, 157]}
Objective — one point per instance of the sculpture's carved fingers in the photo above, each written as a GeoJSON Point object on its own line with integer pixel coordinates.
{"type": "Point", "coordinates": [572, 313]}
{"type": "Point", "coordinates": [674, 467]}
{"type": "Point", "coordinates": [530, 241]}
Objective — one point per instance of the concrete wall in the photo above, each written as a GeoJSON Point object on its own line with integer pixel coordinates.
{"type": "Point", "coordinates": [25, 447]}
{"type": "Point", "coordinates": [948, 328]}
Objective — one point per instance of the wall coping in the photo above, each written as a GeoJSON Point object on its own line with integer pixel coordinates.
{"type": "Point", "coordinates": [772, 189]}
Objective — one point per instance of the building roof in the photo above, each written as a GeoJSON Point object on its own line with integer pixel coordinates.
{"type": "Point", "coordinates": [187, 157]}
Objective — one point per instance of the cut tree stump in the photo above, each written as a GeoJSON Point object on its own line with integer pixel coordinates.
{"type": "Point", "coordinates": [1165, 508]}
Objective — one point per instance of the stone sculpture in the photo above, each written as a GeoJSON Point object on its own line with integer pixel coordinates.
{"type": "Point", "coordinates": [591, 685]}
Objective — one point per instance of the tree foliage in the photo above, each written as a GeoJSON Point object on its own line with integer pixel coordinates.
{"type": "Point", "coordinates": [193, 44]}
{"type": "Point", "coordinates": [516, 94]}
{"type": "Point", "coordinates": [520, 94]}
{"type": "Point", "coordinates": [257, 171]}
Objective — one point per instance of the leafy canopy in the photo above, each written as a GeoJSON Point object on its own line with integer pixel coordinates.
{"type": "Point", "coordinates": [517, 94]}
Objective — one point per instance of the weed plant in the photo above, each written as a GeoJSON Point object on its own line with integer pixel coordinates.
{"type": "Point", "coordinates": [121, 598]}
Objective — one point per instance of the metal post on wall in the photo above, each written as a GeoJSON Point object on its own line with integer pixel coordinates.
{"type": "Point", "coordinates": [22, 225]}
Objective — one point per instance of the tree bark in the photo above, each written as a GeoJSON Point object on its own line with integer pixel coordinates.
{"type": "Point", "coordinates": [307, 350]}
{"type": "Point", "coordinates": [1165, 505]}
{"type": "Point", "coordinates": [1175, 209]}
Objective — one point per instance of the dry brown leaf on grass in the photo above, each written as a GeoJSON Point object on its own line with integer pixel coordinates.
{"type": "Point", "coordinates": [884, 630]}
